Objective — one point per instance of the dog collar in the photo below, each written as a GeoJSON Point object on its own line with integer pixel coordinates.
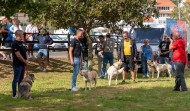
{"type": "Point", "coordinates": [29, 77]}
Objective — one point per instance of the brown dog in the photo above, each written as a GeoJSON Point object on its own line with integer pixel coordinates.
{"type": "Point", "coordinates": [89, 76]}
{"type": "Point", "coordinates": [25, 86]}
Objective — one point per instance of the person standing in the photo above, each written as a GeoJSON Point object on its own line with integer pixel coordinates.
{"type": "Point", "coordinates": [108, 48]}
{"type": "Point", "coordinates": [98, 50]}
{"type": "Point", "coordinates": [20, 60]}
{"type": "Point", "coordinates": [30, 28]}
{"type": "Point", "coordinates": [180, 59]}
{"type": "Point", "coordinates": [75, 53]}
{"type": "Point", "coordinates": [127, 52]}
{"type": "Point", "coordinates": [145, 54]}
{"type": "Point", "coordinates": [5, 28]}
{"type": "Point", "coordinates": [164, 51]}
{"type": "Point", "coordinates": [15, 27]}
{"type": "Point", "coordinates": [44, 42]}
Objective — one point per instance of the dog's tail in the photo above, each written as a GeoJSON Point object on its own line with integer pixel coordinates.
{"type": "Point", "coordinates": [120, 70]}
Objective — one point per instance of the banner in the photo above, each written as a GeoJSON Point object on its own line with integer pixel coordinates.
{"type": "Point", "coordinates": [176, 26]}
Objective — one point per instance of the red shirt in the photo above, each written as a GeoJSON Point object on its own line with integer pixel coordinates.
{"type": "Point", "coordinates": [179, 51]}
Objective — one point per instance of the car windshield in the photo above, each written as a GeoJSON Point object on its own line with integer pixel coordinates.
{"type": "Point", "coordinates": [154, 35]}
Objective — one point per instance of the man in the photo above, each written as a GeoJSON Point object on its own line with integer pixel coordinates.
{"type": "Point", "coordinates": [127, 53]}
{"type": "Point", "coordinates": [99, 49]}
{"type": "Point", "coordinates": [75, 53]}
{"type": "Point", "coordinates": [30, 28]}
{"type": "Point", "coordinates": [5, 28]}
{"type": "Point", "coordinates": [44, 42]}
{"type": "Point", "coordinates": [164, 51]}
{"type": "Point", "coordinates": [19, 60]}
{"type": "Point", "coordinates": [108, 48]}
{"type": "Point", "coordinates": [179, 56]}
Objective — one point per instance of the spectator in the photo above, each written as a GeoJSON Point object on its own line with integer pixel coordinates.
{"type": "Point", "coordinates": [9, 38]}
{"type": "Point", "coordinates": [145, 54]}
{"type": "Point", "coordinates": [108, 48]}
{"type": "Point", "coordinates": [30, 28]}
{"type": "Point", "coordinates": [5, 28]}
{"type": "Point", "coordinates": [15, 27]}
{"type": "Point", "coordinates": [19, 60]}
{"type": "Point", "coordinates": [44, 42]}
{"type": "Point", "coordinates": [180, 59]}
{"type": "Point", "coordinates": [75, 53]}
{"type": "Point", "coordinates": [99, 48]}
{"type": "Point", "coordinates": [85, 52]}
{"type": "Point", "coordinates": [164, 51]}
{"type": "Point", "coordinates": [127, 52]}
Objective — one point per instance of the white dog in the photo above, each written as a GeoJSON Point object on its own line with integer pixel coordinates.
{"type": "Point", "coordinates": [113, 71]}
{"type": "Point", "coordinates": [151, 68]}
{"type": "Point", "coordinates": [89, 76]}
{"type": "Point", "coordinates": [162, 68]}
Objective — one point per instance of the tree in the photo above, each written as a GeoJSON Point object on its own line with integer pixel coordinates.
{"type": "Point", "coordinates": [185, 13]}
{"type": "Point", "coordinates": [89, 14]}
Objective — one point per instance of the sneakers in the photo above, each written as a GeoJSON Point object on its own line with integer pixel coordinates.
{"type": "Point", "coordinates": [39, 68]}
{"type": "Point", "coordinates": [147, 76]}
{"type": "Point", "coordinates": [74, 89]}
{"type": "Point", "coordinates": [44, 70]}
{"type": "Point", "coordinates": [14, 97]}
{"type": "Point", "coordinates": [123, 81]}
{"type": "Point", "coordinates": [143, 76]}
{"type": "Point", "coordinates": [134, 81]}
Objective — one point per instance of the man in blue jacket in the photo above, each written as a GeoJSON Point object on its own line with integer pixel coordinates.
{"type": "Point", "coordinates": [44, 42]}
{"type": "Point", "coordinates": [127, 53]}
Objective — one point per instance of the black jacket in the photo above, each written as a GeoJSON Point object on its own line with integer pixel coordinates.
{"type": "Point", "coordinates": [121, 49]}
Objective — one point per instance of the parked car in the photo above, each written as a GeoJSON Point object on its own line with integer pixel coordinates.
{"type": "Point", "coordinates": [57, 45]}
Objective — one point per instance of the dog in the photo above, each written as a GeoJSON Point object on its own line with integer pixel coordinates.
{"type": "Point", "coordinates": [113, 71]}
{"type": "Point", "coordinates": [89, 76]}
{"type": "Point", "coordinates": [151, 68]}
{"type": "Point", "coordinates": [25, 87]}
{"type": "Point", "coordinates": [162, 67]}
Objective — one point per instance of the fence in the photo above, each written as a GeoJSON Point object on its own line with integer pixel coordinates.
{"type": "Point", "coordinates": [93, 37]}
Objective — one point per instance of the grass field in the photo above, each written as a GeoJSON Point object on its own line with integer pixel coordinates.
{"type": "Point", "coordinates": [51, 92]}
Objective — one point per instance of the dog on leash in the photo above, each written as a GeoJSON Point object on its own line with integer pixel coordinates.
{"type": "Point", "coordinates": [113, 71]}
{"type": "Point", "coordinates": [25, 86]}
{"type": "Point", "coordinates": [89, 76]}
{"type": "Point", "coordinates": [151, 68]}
{"type": "Point", "coordinates": [162, 68]}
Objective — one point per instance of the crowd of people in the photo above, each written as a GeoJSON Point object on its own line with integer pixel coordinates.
{"type": "Point", "coordinates": [78, 52]}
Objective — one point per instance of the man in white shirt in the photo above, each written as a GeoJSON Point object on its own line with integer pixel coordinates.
{"type": "Point", "coordinates": [30, 28]}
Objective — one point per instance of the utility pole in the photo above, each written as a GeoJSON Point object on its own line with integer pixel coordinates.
{"type": "Point", "coordinates": [179, 9]}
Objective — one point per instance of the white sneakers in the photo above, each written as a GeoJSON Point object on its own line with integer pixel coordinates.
{"type": "Point", "coordinates": [44, 70]}
{"type": "Point", "coordinates": [14, 97]}
{"type": "Point", "coordinates": [74, 89]}
{"type": "Point", "coordinates": [39, 68]}
{"type": "Point", "coordinates": [147, 76]}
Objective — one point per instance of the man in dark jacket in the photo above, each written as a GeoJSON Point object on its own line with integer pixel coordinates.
{"type": "Point", "coordinates": [127, 53]}
{"type": "Point", "coordinates": [44, 42]}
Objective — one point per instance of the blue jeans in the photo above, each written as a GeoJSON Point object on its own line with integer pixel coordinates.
{"type": "Point", "coordinates": [163, 60]}
{"type": "Point", "coordinates": [43, 53]}
{"type": "Point", "coordinates": [144, 67]}
{"type": "Point", "coordinates": [107, 57]}
{"type": "Point", "coordinates": [76, 67]}
{"type": "Point", "coordinates": [18, 76]}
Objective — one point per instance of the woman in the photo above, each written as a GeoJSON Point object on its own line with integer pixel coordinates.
{"type": "Point", "coordinates": [145, 54]}
{"type": "Point", "coordinates": [15, 27]}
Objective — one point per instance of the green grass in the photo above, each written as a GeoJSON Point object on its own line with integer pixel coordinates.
{"type": "Point", "coordinates": [51, 92]}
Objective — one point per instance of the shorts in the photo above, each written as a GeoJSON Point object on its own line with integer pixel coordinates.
{"type": "Point", "coordinates": [42, 53]}
{"type": "Point", "coordinates": [30, 38]}
{"type": "Point", "coordinates": [128, 62]}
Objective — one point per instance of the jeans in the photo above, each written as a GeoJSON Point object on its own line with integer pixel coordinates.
{"type": "Point", "coordinates": [107, 57]}
{"type": "Point", "coordinates": [144, 67]}
{"type": "Point", "coordinates": [76, 67]}
{"type": "Point", "coordinates": [179, 76]}
{"type": "Point", "coordinates": [18, 76]}
{"type": "Point", "coordinates": [42, 53]}
{"type": "Point", "coordinates": [164, 60]}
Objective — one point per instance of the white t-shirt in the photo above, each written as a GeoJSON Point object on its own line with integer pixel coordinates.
{"type": "Point", "coordinates": [14, 29]}
{"type": "Point", "coordinates": [32, 29]}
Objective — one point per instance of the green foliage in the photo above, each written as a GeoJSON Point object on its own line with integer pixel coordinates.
{"type": "Point", "coordinates": [184, 13]}
{"type": "Point", "coordinates": [88, 14]}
